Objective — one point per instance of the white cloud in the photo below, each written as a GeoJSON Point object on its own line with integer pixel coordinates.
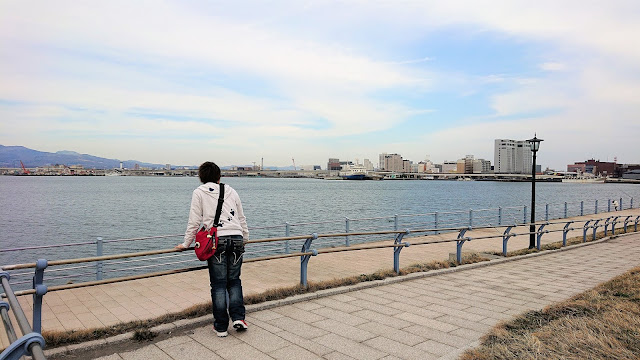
{"type": "Point", "coordinates": [292, 76]}
{"type": "Point", "coordinates": [552, 66]}
{"type": "Point", "coordinates": [533, 98]}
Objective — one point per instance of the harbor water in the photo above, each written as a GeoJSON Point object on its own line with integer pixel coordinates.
{"type": "Point", "coordinates": [39, 211]}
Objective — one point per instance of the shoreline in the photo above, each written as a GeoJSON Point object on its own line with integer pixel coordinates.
{"type": "Point", "coordinates": [296, 175]}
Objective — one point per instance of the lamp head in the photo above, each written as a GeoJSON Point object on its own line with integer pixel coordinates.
{"type": "Point", "coordinates": [535, 143]}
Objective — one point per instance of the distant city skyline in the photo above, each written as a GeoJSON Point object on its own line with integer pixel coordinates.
{"type": "Point", "coordinates": [185, 82]}
{"type": "Point", "coordinates": [516, 162]}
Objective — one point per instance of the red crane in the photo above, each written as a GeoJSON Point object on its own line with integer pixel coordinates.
{"type": "Point", "coordinates": [24, 170]}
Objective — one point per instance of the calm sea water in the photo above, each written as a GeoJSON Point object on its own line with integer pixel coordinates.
{"type": "Point", "coordinates": [57, 210]}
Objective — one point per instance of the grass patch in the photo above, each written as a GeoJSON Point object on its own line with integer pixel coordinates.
{"type": "Point", "coordinates": [602, 323]}
{"type": "Point", "coordinates": [144, 335]}
{"type": "Point", "coordinates": [281, 293]}
{"type": "Point", "coordinates": [141, 328]}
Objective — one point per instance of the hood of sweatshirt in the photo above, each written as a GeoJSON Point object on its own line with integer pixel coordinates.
{"type": "Point", "coordinates": [213, 190]}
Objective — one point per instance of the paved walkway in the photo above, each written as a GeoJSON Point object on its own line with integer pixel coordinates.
{"type": "Point", "coordinates": [105, 305]}
{"type": "Point", "coordinates": [432, 317]}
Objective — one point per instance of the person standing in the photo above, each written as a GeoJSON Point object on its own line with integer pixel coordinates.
{"type": "Point", "coordinates": [615, 205]}
{"type": "Point", "coordinates": [225, 265]}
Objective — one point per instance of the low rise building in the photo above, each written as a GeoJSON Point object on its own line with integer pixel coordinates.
{"type": "Point", "coordinates": [623, 169]}
{"type": "Point", "coordinates": [368, 165]}
{"type": "Point", "coordinates": [450, 166]}
{"type": "Point", "coordinates": [481, 166]}
{"type": "Point", "coordinates": [595, 167]}
{"type": "Point", "coordinates": [426, 166]}
{"type": "Point", "coordinates": [334, 164]}
{"type": "Point", "coordinates": [632, 175]}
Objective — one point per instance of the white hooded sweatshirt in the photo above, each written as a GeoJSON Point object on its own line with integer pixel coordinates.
{"type": "Point", "coordinates": [204, 202]}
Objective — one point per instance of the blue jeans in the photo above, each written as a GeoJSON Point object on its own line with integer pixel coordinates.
{"type": "Point", "coordinates": [224, 275]}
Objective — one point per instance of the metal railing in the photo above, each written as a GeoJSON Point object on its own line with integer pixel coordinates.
{"type": "Point", "coordinates": [33, 342]}
{"type": "Point", "coordinates": [437, 222]}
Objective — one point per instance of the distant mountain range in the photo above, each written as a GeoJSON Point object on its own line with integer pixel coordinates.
{"type": "Point", "coordinates": [10, 156]}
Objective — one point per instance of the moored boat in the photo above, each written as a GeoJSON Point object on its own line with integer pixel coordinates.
{"type": "Point", "coordinates": [354, 172]}
{"type": "Point", "coordinates": [584, 180]}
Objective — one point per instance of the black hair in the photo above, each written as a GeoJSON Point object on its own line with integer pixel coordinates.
{"type": "Point", "coordinates": [209, 172]}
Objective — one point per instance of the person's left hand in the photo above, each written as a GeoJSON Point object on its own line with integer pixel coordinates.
{"type": "Point", "coordinates": [180, 247]}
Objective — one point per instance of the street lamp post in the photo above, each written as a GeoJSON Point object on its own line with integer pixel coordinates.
{"type": "Point", "coordinates": [535, 145]}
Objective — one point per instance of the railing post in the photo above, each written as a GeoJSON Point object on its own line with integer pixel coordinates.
{"type": "Point", "coordinates": [470, 218]}
{"type": "Point", "coordinates": [304, 259]}
{"type": "Point", "coordinates": [609, 205]}
{"type": "Point", "coordinates": [635, 225]}
{"type": "Point", "coordinates": [584, 232]}
{"type": "Point", "coordinates": [596, 207]}
{"type": "Point", "coordinates": [40, 289]}
{"type": "Point", "coordinates": [99, 252]}
{"type": "Point", "coordinates": [500, 216]}
{"type": "Point", "coordinates": [524, 220]}
{"type": "Point", "coordinates": [4, 312]}
{"type": "Point", "coordinates": [20, 347]}
{"type": "Point", "coordinates": [435, 220]}
{"type": "Point", "coordinates": [539, 237]}
{"type": "Point", "coordinates": [505, 239]}
{"type": "Point", "coordinates": [582, 208]}
{"type": "Point", "coordinates": [397, 249]}
{"type": "Point", "coordinates": [565, 209]}
{"type": "Point", "coordinates": [626, 221]}
{"type": "Point", "coordinates": [613, 225]}
{"type": "Point", "coordinates": [631, 203]}
{"type": "Point", "coordinates": [287, 233]}
{"type": "Point", "coordinates": [459, 242]}
{"type": "Point", "coordinates": [595, 229]}
{"type": "Point", "coordinates": [31, 343]}
{"type": "Point", "coordinates": [546, 212]}
{"type": "Point", "coordinates": [564, 233]}
{"type": "Point", "coordinates": [346, 226]}
{"type": "Point", "coordinates": [395, 222]}
{"type": "Point", "coordinates": [620, 205]}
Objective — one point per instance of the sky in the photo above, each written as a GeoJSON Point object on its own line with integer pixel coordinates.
{"type": "Point", "coordinates": [235, 82]}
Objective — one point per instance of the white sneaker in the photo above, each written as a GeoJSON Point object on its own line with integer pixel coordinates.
{"type": "Point", "coordinates": [221, 333]}
{"type": "Point", "coordinates": [240, 325]}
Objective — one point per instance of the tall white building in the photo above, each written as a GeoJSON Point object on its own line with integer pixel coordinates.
{"type": "Point", "coordinates": [392, 162]}
{"type": "Point", "coordinates": [512, 156]}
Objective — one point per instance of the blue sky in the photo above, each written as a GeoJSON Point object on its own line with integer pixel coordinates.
{"type": "Point", "coordinates": [183, 82]}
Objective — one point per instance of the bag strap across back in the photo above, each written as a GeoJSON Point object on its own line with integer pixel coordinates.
{"type": "Point", "coordinates": [219, 208]}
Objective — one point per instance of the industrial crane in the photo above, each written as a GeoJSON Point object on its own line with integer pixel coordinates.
{"type": "Point", "coordinates": [24, 170]}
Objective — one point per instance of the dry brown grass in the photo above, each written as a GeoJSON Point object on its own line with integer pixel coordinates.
{"type": "Point", "coordinates": [59, 338]}
{"type": "Point", "coordinates": [602, 323]}
{"type": "Point", "coordinates": [140, 328]}
{"type": "Point", "coordinates": [281, 293]}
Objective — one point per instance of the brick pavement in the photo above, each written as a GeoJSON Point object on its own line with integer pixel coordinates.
{"type": "Point", "coordinates": [434, 315]}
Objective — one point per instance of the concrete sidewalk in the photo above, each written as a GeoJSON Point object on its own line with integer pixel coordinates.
{"type": "Point", "coordinates": [434, 315]}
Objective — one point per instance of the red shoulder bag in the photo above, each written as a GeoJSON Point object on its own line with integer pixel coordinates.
{"type": "Point", "coordinates": [207, 240]}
